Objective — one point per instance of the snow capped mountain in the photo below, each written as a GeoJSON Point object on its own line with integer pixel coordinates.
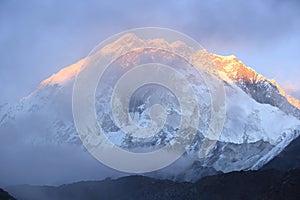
{"type": "Point", "coordinates": [261, 120]}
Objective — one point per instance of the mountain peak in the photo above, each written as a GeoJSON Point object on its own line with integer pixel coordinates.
{"type": "Point", "coordinates": [236, 71]}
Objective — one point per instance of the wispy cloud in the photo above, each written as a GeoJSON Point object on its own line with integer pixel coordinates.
{"type": "Point", "coordinates": [292, 89]}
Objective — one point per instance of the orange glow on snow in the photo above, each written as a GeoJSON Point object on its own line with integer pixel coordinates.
{"type": "Point", "coordinates": [228, 66]}
{"type": "Point", "coordinates": [64, 74]}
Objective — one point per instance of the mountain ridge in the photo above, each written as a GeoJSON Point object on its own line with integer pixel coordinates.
{"type": "Point", "coordinates": [260, 123]}
{"type": "Point", "coordinates": [231, 61]}
{"type": "Point", "coordinates": [268, 184]}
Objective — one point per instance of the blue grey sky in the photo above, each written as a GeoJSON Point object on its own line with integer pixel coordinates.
{"type": "Point", "coordinates": [38, 38]}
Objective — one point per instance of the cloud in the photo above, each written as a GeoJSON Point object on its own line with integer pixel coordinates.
{"type": "Point", "coordinates": [292, 89]}
{"type": "Point", "coordinates": [296, 94]}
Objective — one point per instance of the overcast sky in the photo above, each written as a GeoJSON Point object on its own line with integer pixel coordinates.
{"type": "Point", "coordinates": [37, 38]}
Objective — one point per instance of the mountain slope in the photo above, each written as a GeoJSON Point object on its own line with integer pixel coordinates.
{"type": "Point", "coordinates": [270, 184]}
{"type": "Point", "coordinates": [288, 159]}
{"type": "Point", "coordinates": [5, 196]}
